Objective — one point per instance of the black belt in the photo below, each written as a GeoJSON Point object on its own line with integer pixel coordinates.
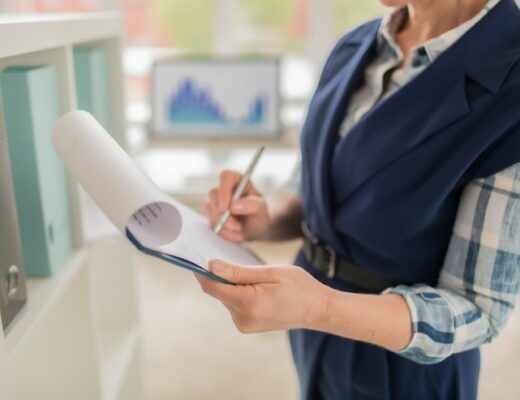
{"type": "Point", "coordinates": [323, 258]}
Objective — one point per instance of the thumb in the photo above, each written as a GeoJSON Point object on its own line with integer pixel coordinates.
{"type": "Point", "coordinates": [248, 205]}
{"type": "Point", "coordinates": [240, 275]}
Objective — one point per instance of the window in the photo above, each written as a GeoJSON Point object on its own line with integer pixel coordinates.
{"type": "Point", "coordinates": [301, 31]}
{"type": "Point", "coordinates": [227, 26]}
{"type": "Point", "coordinates": [350, 13]}
{"type": "Point", "coordinates": [31, 6]}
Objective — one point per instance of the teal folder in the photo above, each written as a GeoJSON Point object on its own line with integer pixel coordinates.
{"type": "Point", "coordinates": [32, 106]}
{"type": "Point", "coordinates": [91, 71]}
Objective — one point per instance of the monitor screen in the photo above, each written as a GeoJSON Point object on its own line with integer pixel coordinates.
{"type": "Point", "coordinates": [216, 98]}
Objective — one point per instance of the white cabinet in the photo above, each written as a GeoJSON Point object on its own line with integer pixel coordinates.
{"type": "Point", "coordinates": [78, 336]}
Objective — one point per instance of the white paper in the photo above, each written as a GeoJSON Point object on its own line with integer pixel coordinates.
{"type": "Point", "coordinates": [131, 200]}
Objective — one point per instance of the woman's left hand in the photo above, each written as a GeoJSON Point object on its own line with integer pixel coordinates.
{"type": "Point", "coordinates": [268, 298]}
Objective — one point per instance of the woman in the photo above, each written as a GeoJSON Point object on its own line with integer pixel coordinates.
{"type": "Point", "coordinates": [410, 203]}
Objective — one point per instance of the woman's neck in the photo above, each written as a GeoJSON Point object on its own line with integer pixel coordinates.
{"type": "Point", "coordinates": [431, 18]}
{"type": "Point", "coordinates": [428, 19]}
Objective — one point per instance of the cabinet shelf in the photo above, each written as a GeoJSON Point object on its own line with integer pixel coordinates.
{"type": "Point", "coordinates": [43, 293]}
{"type": "Point", "coordinates": [117, 349]}
{"type": "Point", "coordinates": [36, 32]}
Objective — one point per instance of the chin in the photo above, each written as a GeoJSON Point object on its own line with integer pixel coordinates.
{"type": "Point", "coordinates": [394, 3]}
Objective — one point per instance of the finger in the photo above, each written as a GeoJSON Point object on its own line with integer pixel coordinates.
{"type": "Point", "coordinates": [249, 205]}
{"type": "Point", "coordinates": [228, 181]}
{"type": "Point", "coordinates": [213, 196]}
{"type": "Point", "coordinates": [211, 205]}
{"type": "Point", "coordinates": [232, 236]}
{"type": "Point", "coordinates": [228, 294]}
{"type": "Point", "coordinates": [242, 275]}
{"type": "Point", "coordinates": [203, 280]}
{"type": "Point", "coordinates": [211, 210]}
{"type": "Point", "coordinates": [232, 224]}
{"type": "Point", "coordinates": [211, 213]}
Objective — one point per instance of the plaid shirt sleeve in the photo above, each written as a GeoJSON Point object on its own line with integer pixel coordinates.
{"type": "Point", "coordinates": [480, 277]}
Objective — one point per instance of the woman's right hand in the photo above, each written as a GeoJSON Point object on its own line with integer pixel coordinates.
{"type": "Point", "coordinates": [249, 218]}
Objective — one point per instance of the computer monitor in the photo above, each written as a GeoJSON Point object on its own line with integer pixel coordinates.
{"type": "Point", "coordinates": [216, 97]}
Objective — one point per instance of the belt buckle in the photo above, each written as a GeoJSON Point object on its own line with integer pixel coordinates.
{"type": "Point", "coordinates": [331, 268]}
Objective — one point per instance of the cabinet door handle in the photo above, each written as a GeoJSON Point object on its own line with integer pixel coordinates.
{"type": "Point", "coordinates": [12, 280]}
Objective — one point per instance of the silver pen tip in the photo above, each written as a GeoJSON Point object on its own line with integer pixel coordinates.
{"type": "Point", "coordinates": [218, 227]}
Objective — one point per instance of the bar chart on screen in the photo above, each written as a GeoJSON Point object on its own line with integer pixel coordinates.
{"type": "Point", "coordinates": [216, 97]}
{"type": "Point", "coordinates": [193, 104]}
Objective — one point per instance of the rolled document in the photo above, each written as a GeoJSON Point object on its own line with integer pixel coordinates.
{"type": "Point", "coordinates": [133, 203]}
{"type": "Point", "coordinates": [117, 185]}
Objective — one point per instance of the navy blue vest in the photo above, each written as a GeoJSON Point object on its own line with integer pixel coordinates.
{"type": "Point", "coordinates": [386, 196]}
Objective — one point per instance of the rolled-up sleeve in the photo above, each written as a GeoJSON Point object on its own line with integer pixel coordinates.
{"type": "Point", "coordinates": [480, 277]}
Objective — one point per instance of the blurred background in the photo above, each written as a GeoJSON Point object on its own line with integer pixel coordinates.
{"type": "Point", "coordinates": [191, 349]}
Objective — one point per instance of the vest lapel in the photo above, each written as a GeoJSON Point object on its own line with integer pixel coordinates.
{"type": "Point", "coordinates": [432, 101]}
{"type": "Point", "coordinates": [328, 108]}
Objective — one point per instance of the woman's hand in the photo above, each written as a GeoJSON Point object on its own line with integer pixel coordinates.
{"type": "Point", "coordinates": [249, 219]}
{"type": "Point", "coordinates": [268, 298]}
{"type": "Point", "coordinates": [271, 298]}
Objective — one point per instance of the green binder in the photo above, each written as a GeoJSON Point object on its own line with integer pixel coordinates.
{"type": "Point", "coordinates": [31, 106]}
{"type": "Point", "coordinates": [91, 70]}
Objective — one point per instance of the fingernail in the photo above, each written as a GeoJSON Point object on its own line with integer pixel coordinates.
{"type": "Point", "coordinates": [216, 265]}
{"type": "Point", "coordinates": [238, 207]}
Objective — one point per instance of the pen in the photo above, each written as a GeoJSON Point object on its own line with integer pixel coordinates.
{"type": "Point", "coordinates": [239, 189]}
